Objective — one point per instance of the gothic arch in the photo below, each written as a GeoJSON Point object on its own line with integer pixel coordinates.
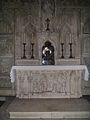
{"type": "Point", "coordinates": [65, 27]}
{"type": "Point", "coordinates": [65, 33]}
{"type": "Point", "coordinates": [65, 38]}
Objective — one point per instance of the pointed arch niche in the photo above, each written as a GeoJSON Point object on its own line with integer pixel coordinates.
{"type": "Point", "coordinates": [53, 38]}
{"type": "Point", "coordinates": [66, 37]}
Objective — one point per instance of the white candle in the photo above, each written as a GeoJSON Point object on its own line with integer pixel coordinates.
{"type": "Point", "coordinates": [32, 38]}
{"type": "Point", "coordinates": [73, 37]}
{"type": "Point", "coordinates": [24, 38]}
{"type": "Point", "coordinates": [61, 39]}
{"type": "Point", "coordinates": [70, 38]}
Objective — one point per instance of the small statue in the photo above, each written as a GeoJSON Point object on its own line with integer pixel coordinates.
{"type": "Point", "coordinates": [48, 54]}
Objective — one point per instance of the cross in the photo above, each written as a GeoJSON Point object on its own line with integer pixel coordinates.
{"type": "Point", "coordinates": [47, 21]}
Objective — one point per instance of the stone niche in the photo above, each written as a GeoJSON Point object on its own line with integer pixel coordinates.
{"type": "Point", "coordinates": [52, 38]}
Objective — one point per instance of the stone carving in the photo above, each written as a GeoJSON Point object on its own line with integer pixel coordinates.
{"type": "Point", "coordinates": [45, 83]}
{"type": "Point", "coordinates": [48, 7]}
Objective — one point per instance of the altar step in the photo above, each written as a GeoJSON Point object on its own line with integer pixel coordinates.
{"type": "Point", "coordinates": [59, 116]}
{"type": "Point", "coordinates": [47, 109]}
{"type": "Point", "coordinates": [55, 119]}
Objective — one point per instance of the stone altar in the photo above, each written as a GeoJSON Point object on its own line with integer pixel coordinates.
{"type": "Point", "coordinates": [48, 81]}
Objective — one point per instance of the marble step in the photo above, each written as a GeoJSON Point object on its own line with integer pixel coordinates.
{"type": "Point", "coordinates": [51, 115]}
{"type": "Point", "coordinates": [49, 109]}
{"type": "Point", "coordinates": [56, 119]}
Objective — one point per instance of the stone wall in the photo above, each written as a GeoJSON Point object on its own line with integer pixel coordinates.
{"type": "Point", "coordinates": [25, 21]}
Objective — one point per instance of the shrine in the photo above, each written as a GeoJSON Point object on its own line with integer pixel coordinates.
{"type": "Point", "coordinates": [56, 71]}
{"type": "Point", "coordinates": [49, 64]}
{"type": "Point", "coordinates": [53, 69]}
{"type": "Point", "coordinates": [45, 59]}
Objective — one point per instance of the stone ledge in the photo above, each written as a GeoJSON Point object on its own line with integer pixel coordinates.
{"type": "Point", "coordinates": [83, 114]}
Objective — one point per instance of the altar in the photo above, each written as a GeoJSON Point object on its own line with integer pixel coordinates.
{"type": "Point", "coordinates": [48, 81]}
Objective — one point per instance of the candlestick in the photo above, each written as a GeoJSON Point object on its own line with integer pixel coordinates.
{"type": "Point", "coordinates": [24, 50]}
{"type": "Point", "coordinates": [32, 50]}
{"type": "Point", "coordinates": [62, 44]}
{"type": "Point", "coordinates": [70, 50]}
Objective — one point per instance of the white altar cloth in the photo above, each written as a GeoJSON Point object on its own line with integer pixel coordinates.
{"type": "Point", "coordinates": [49, 67]}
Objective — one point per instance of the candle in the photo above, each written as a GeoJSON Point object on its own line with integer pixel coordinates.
{"type": "Point", "coordinates": [24, 38]}
{"type": "Point", "coordinates": [73, 37]}
{"type": "Point", "coordinates": [70, 38]}
{"type": "Point", "coordinates": [32, 37]}
{"type": "Point", "coordinates": [61, 39]}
